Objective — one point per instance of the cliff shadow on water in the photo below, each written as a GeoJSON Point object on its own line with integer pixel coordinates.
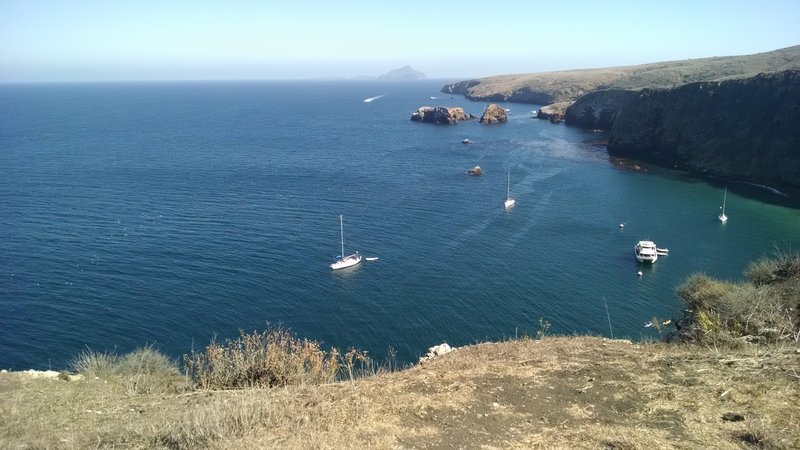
{"type": "Point", "coordinates": [744, 133]}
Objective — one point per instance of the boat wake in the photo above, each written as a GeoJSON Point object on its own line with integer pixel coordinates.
{"type": "Point", "coordinates": [367, 100]}
{"type": "Point", "coordinates": [769, 188]}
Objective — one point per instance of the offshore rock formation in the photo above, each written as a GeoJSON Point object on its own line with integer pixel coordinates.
{"type": "Point", "coordinates": [494, 114]}
{"type": "Point", "coordinates": [746, 129]}
{"type": "Point", "coordinates": [440, 114]}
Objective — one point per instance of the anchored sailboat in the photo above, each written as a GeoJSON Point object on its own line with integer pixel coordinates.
{"type": "Point", "coordinates": [510, 202]}
{"type": "Point", "coordinates": [722, 217]}
{"type": "Point", "coordinates": [345, 261]}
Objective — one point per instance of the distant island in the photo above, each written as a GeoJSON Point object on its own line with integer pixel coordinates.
{"type": "Point", "coordinates": [406, 73]}
{"type": "Point", "coordinates": [731, 117]}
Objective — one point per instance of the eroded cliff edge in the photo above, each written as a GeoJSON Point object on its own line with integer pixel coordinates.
{"type": "Point", "coordinates": [744, 129]}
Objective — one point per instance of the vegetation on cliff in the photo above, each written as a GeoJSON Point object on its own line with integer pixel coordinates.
{"type": "Point", "coordinates": [732, 378]}
{"type": "Point", "coordinates": [566, 86]}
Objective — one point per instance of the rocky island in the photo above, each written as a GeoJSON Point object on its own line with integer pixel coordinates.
{"type": "Point", "coordinates": [440, 114]}
{"type": "Point", "coordinates": [405, 73]}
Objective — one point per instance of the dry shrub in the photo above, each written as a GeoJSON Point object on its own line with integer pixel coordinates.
{"type": "Point", "coordinates": [148, 371]}
{"type": "Point", "coordinates": [143, 371]}
{"type": "Point", "coordinates": [95, 364]}
{"type": "Point", "coordinates": [784, 265]}
{"type": "Point", "coordinates": [723, 312]}
{"type": "Point", "coordinates": [275, 357]}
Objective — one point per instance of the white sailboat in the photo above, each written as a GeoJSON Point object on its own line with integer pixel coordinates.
{"type": "Point", "coordinates": [722, 217]}
{"type": "Point", "coordinates": [345, 261]}
{"type": "Point", "coordinates": [510, 202]}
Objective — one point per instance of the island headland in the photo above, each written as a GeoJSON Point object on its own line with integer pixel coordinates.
{"type": "Point", "coordinates": [733, 117]}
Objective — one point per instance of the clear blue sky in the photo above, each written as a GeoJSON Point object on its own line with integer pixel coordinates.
{"type": "Point", "coordinates": [69, 40]}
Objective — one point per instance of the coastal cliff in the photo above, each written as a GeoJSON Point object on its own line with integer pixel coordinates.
{"type": "Point", "coordinates": [545, 88]}
{"type": "Point", "coordinates": [734, 117]}
{"type": "Point", "coordinates": [745, 129]}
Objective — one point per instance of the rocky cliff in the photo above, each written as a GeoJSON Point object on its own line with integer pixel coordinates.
{"type": "Point", "coordinates": [746, 129]}
{"type": "Point", "coordinates": [596, 110]}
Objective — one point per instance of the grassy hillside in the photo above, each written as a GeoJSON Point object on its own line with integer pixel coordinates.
{"type": "Point", "coordinates": [730, 379]}
{"type": "Point", "coordinates": [551, 87]}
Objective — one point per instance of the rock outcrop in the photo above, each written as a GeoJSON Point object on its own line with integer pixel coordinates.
{"type": "Point", "coordinates": [597, 110]}
{"type": "Point", "coordinates": [494, 114]}
{"type": "Point", "coordinates": [554, 113]}
{"type": "Point", "coordinates": [745, 129]}
{"type": "Point", "coordinates": [440, 114]}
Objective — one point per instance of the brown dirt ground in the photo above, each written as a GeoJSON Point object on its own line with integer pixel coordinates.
{"type": "Point", "coordinates": [575, 392]}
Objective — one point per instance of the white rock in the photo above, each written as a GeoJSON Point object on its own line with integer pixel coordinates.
{"type": "Point", "coordinates": [441, 349]}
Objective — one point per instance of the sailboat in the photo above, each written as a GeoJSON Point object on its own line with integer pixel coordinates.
{"type": "Point", "coordinates": [510, 202]}
{"type": "Point", "coordinates": [722, 217]}
{"type": "Point", "coordinates": [345, 261]}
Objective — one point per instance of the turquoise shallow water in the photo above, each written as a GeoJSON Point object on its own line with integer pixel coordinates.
{"type": "Point", "coordinates": [171, 213]}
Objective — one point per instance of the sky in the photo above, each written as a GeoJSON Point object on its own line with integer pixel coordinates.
{"type": "Point", "coordinates": [107, 40]}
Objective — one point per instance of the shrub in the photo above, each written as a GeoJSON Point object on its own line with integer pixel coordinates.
{"type": "Point", "coordinates": [148, 371]}
{"type": "Point", "coordinates": [760, 272]}
{"type": "Point", "coordinates": [700, 292]}
{"type": "Point", "coordinates": [146, 361]}
{"type": "Point", "coordinates": [722, 312]}
{"type": "Point", "coordinates": [275, 357]}
{"type": "Point", "coordinates": [95, 364]}
{"type": "Point", "coordinates": [785, 265]}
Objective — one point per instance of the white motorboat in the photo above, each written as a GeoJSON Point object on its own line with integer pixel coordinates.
{"type": "Point", "coordinates": [510, 202]}
{"type": "Point", "coordinates": [345, 261]}
{"type": "Point", "coordinates": [646, 251]}
{"type": "Point", "coordinates": [722, 217]}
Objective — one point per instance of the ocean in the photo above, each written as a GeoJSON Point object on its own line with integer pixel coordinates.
{"type": "Point", "coordinates": [175, 213]}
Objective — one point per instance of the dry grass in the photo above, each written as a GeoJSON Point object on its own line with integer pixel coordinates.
{"type": "Point", "coordinates": [566, 86]}
{"type": "Point", "coordinates": [577, 392]}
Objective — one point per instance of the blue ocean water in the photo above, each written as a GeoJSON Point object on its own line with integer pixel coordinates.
{"type": "Point", "coordinates": [171, 213]}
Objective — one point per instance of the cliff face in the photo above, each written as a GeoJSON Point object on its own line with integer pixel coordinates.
{"type": "Point", "coordinates": [744, 129]}
{"type": "Point", "coordinates": [597, 110]}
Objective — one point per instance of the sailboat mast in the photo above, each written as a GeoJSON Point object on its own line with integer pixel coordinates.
{"type": "Point", "coordinates": [508, 188]}
{"type": "Point", "coordinates": [724, 197]}
{"type": "Point", "coordinates": [341, 229]}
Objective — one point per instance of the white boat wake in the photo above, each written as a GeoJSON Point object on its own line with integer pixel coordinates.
{"type": "Point", "coordinates": [367, 100]}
